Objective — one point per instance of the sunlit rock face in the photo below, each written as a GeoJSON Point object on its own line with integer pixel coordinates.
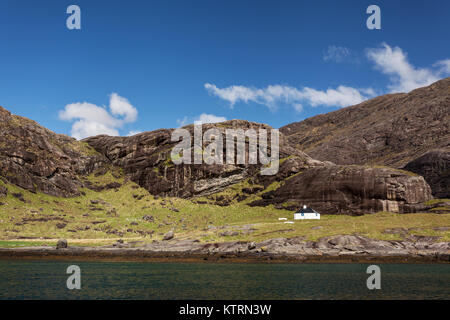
{"type": "Point", "coordinates": [37, 159]}
{"type": "Point", "coordinates": [352, 190]}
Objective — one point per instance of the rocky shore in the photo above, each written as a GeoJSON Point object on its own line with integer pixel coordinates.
{"type": "Point", "coordinates": [339, 249]}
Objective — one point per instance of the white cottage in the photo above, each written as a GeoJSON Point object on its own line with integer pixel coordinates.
{"type": "Point", "coordinates": [306, 214]}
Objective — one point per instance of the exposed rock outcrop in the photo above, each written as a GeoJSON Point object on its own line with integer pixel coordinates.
{"type": "Point", "coordinates": [146, 159]}
{"type": "Point", "coordinates": [339, 245]}
{"type": "Point", "coordinates": [35, 158]}
{"type": "Point", "coordinates": [334, 248]}
{"type": "Point", "coordinates": [434, 166]}
{"type": "Point", "coordinates": [329, 188]}
{"type": "Point", "coordinates": [351, 190]}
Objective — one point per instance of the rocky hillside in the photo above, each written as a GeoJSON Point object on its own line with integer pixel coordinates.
{"type": "Point", "coordinates": [37, 159]}
{"type": "Point", "coordinates": [146, 159]}
{"type": "Point", "coordinates": [331, 189]}
{"type": "Point", "coordinates": [392, 130]}
{"type": "Point", "coordinates": [388, 130]}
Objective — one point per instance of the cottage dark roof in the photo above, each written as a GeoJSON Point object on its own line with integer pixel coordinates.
{"type": "Point", "coordinates": [307, 210]}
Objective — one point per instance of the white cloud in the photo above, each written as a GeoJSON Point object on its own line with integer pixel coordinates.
{"type": "Point", "coordinates": [233, 94]}
{"type": "Point", "coordinates": [133, 133]}
{"type": "Point", "coordinates": [341, 97]}
{"type": "Point", "coordinates": [391, 61]}
{"type": "Point", "coordinates": [404, 77]}
{"type": "Point", "coordinates": [272, 95]}
{"type": "Point", "coordinates": [120, 106]}
{"type": "Point", "coordinates": [203, 118]}
{"type": "Point", "coordinates": [298, 107]}
{"type": "Point", "coordinates": [443, 66]}
{"type": "Point", "coordinates": [336, 54]}
{"type": "Point", "coordinates": [183, 122]}
{"type": "Point", "coordinates": [210, 118]}
{"type": "Point", "coordinates": [83, 128]}
{"type": "Point", "coordinates": [90, 119]}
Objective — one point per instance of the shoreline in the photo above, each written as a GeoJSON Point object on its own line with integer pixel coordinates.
{"type": "Point", "coordinates": [335, 249]}
{"type": "Point", "coordinates": [176, 257]}
{"type": "Point", "coordinates": [193, 258]}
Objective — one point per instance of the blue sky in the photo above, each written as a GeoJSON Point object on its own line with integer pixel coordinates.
{"type": "Point", "coordinates": [143, 65]}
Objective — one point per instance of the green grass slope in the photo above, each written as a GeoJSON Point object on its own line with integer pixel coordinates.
{"type": "Point", "coordinates": [123, 210]}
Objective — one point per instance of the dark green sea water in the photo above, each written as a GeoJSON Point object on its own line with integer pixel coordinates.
{"type": "Point", "coordinates": [132, 280]}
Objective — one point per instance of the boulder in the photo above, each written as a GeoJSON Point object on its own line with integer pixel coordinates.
{"type": "Point", "coordinates": [169, 235]}
{"type": "Point", "coordinates": [62, 244]}
{"type": "Point", "coordinates": [148, 218]}
{"type": "Point", "coordinates": [251, 246]}
{"type": "Point", "coordinates": [61, 225]}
